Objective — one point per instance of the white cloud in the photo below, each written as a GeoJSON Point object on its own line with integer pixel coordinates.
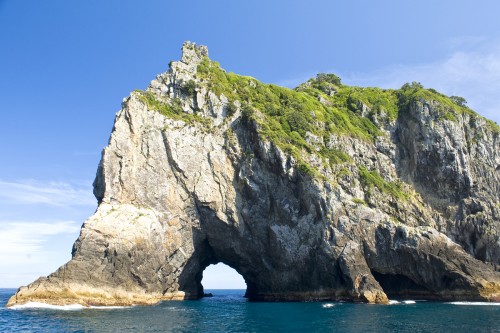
{"type": "Point", "coordinates": [472, 74]}
{"type": "Point", "coordinates": [30, 249]}
{"type": "Point", "coordinates": [26, 238]}
{"type": "Point", "coordinates": [38, 226]}
{"type": "Point", "coordinates": [47, 193]}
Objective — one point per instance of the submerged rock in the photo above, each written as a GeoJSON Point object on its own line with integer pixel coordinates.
{"type": "Point", "coordinates": [299, 191]}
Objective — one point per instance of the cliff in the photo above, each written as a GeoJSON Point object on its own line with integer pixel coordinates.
{"type": "Point", "coordinates": [322, 192]}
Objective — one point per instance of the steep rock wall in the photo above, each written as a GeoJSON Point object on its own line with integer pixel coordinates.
{"type": "Point", "coordinates": [454, 165]}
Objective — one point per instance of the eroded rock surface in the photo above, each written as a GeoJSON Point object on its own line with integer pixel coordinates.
{"type": "Point", "coordinates": [177, 193]}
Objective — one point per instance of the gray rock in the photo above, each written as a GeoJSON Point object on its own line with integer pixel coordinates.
{"type": "Point", "coordinates": [454, 166]}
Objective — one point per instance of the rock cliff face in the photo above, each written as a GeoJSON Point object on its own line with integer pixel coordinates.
{"type": "Point", "coordinates": [323, 192]}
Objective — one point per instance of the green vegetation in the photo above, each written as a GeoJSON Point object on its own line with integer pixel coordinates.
{"type": "Point", "coordinates": [449, 107]}
{"type": "Point", "coordinates": [326, 83]}
{"type": "Point", "coordinates": [285, 116]}
{"type": "Point", "coordinates": [335, 156]}
{"type": "Point", "coordinates": [307, 169]}
{"type": "Point", "coordinates": [347, 98]}
{"type": "Point", "coordinates": [343, 173]}
{"type": "Point", "coordinates": [189, 88]}
{"type": "Point", "coordinates": [292, 111]}
{"type": "Point", "coordinates": [231, 109]}
{"type": "Point", "coordinates": [172, 110]}
{"type": "Point", "coordinates": [374, 179]}
{"type": "Point", "coordinates": [450, 116]}
{"type": "Point", "coordinates": [460, 101]}
{"type": "Point", "coordinates": [359, 201]}
{"type": "Point", "coordinates": [328, 78]}
{"type": "Point", "coordinates": [319, 108]}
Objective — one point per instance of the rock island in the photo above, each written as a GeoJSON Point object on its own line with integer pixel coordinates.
{"type": "Point", "coordinates": [322, 192]}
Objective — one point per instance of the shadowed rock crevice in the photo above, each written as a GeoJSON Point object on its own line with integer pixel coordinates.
{"type": "Point", "coordinates": [400, 286]}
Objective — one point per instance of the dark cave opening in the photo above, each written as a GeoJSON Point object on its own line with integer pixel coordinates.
{"type": "Point", "coordinates": [217, 269]}
{"type": "Point", "coordinates": [400, 286]}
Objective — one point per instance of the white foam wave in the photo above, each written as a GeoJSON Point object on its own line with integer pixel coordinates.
{"type": "Point", "coordinates": [328, 305]}
{"type": "Point", "coordinates": [69, 307]}
{"type": "Point", "coordinates": [109, 307]}
{"type": "Point", "coordinates": [38, 305]}
{"type": "Point", "coordinates": [409, 302]}
{"type": "Point", "coordinates": [476, 303]}
{"type": "Point", "coordinates": [392, 302]}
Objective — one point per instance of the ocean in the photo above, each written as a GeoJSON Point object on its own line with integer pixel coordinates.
{"type": "Point", "coordinates": [229, 311]}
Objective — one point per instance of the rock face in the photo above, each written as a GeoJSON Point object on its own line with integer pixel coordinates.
{"type": "Point", "coordinates": [413, 211]}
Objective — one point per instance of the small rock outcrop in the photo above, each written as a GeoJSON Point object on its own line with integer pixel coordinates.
{"type": "Point", "coordinates": [322, 192]}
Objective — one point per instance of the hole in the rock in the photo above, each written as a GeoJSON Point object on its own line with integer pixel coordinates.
{"type": "Point", "coordinates": [221, 279]}
{"type": "Point", "coordinates": [400, 286]}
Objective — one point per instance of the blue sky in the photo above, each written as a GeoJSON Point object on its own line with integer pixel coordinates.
{"type": "Point", "coordinates": [65, 67]}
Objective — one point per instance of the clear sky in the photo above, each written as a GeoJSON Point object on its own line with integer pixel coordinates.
{"type": "Point", "coordinates": [66, 65]}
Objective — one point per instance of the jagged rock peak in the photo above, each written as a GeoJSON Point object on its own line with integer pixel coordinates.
{"type": "Point", "coordinates": [192, 53]}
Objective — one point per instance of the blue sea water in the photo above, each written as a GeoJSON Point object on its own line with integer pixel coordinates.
{"type": "Point", "coordinates": [228, 311]}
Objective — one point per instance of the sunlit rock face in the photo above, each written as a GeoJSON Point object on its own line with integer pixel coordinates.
{"type": "Point", "coordinates": [206, 167]}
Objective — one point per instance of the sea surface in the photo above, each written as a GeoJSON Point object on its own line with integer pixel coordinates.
{"type": "Point", "coordinates": [228, 311]}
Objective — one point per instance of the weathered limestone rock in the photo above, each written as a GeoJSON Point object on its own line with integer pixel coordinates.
{"type": "Point", "coordinates": [455, 167]}
{"type": "Point", "coordinates": [177, 195]}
